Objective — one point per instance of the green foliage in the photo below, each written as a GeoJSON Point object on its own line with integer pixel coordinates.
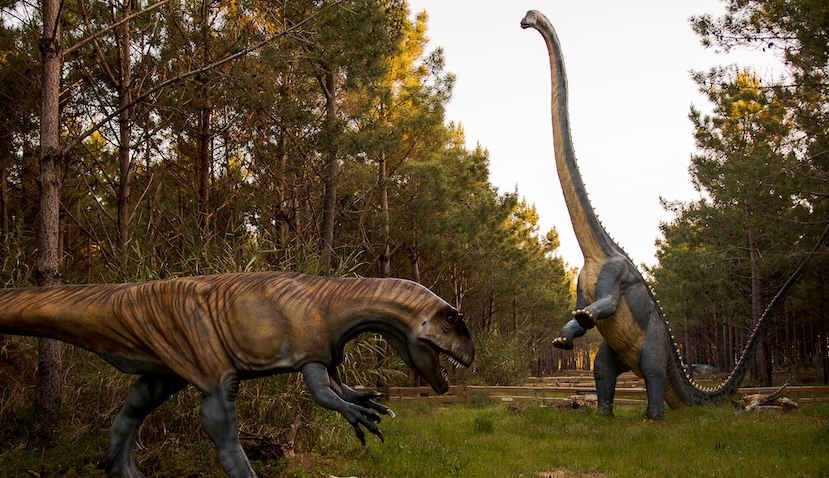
{"type": "Point", "coordinates": [218, 163]}
{"type": "Point", "coordinates": [762, 175]}
{"type": "Point", "coordinates": [370, 361]}
{"type": "Point", "coordinates": [500, 360]}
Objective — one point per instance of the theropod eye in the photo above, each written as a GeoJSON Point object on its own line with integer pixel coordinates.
{"type": "Point", "coordinates": [449, 322]}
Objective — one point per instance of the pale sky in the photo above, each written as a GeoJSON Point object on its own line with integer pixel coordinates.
{"type": "Point", "coordinates": [628, 69]}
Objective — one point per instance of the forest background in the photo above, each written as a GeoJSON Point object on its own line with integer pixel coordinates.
{"type": "Point", "coordinates": [143, 140]}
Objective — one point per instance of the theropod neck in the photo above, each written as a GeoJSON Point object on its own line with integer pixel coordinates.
{"type": "Point", "coordinates": [390, 307]}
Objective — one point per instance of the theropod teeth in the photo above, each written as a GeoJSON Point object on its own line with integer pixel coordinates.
{"type": "Point", "coordinates": [455, 362]}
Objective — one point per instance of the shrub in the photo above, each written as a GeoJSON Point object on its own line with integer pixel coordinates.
{"type": "Point", "coordinates": [499, 360]}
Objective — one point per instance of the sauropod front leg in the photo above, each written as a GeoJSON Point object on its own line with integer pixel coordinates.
{"type": "Point", "coordinates": [146, 394]}
{"type": "Point", "coordinates": [219, 420]}
{"type": "Point", "coordinates": [571, 331]}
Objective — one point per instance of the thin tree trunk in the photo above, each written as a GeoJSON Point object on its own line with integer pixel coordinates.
{"type": "Point", "coordinates": [414, 262]}
{"type": "Point", "coordinates": [330, 182]}
{"type": "Point", "coordinates": [728, 333]}
{"type": "Point", "coordinates": [824, 353]}
{"type": "Point", "coordinates": [203, 156]}
{"type": "Point", "coordinates": [47, 263]}
{"type": "Point", "coordinates": [686, 354]}
{"type": "Point", "coordinates": [385, 255]}
{"type": "Point", "coordinates": [762, 361]}
{"type": "Point", "coordinates": [125, 131]}
{"type": "Point", "coordinates": [204, 134]}
{"type": "Point", "coordinates": [276, 180]}
{"type": "Point", "coordinates": [4, 190]}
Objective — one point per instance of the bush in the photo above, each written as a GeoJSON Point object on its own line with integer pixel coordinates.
{"type": "Point", "coordinates": [499, 360]}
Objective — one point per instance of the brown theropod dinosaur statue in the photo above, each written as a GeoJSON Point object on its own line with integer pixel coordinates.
{"type": "Point", "coordinates": [212, 331]}
{"type": "Point", "coordinates": [613, 296]}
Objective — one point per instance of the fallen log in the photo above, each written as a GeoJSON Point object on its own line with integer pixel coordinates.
{"type": "Point", "coordinates": [774, 401]}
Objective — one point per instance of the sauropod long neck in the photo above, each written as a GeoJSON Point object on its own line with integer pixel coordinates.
{"type": "Point", "coordinates": [594, 241]}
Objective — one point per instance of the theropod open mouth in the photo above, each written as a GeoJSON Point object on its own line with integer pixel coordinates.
{"type": "Point", "coordinates": [453, 357]}
{"type": "Point", "coordinates": [443, 356]}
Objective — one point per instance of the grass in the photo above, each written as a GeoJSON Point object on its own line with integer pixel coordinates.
{"type": "Point", "coordinates": [498, 442]}
{"type": "Point", "coordinates": [492, 441]}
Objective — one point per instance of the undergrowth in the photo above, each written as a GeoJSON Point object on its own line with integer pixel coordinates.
{"type": "Point", "coordinates": [276, 415]}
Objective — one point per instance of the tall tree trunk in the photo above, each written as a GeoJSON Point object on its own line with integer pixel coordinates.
{"type": "Point", "coordinates": [203, 155]}
{"type": "Point", "coordinates": [824, 352]}
{"type": "Point", "coordinates": [330, 183]}
{"type": "Point", "coordinates": [414, 262]}
{"type": "Point", "coordinates": [458, 286]}
{"type": "Point", "coordinates": [5, 162]}
{"type": "Point", "coordinates": [125, 131]}
{"type": "Point", "coordinates": [762, 360]}
{"type": "Point", "coordinates": [385, 255]}
{"type": "Point", "coordinates": [47, 263]}
{"type": "Point", "coordinates": [274, 213]}
{"type": "Point", "coordinates": [204, 133]}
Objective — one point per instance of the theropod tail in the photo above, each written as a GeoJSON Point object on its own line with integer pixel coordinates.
{"type": "Point", "coordinates": [692, 394]}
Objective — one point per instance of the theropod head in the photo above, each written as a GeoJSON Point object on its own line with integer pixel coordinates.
{"type": "Point", "coordinates": [443, 333]}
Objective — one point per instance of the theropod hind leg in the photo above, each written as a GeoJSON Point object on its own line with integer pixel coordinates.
{"type": "Point", "coordinates": [146, 394]}
{"type": "Point", "coordinates": [606, 368]}
{"type": "Point", "coordinates": [219, 420]}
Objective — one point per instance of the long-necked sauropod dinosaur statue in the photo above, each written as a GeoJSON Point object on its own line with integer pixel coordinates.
{"type": "Point", "coordinates": [613, 296]}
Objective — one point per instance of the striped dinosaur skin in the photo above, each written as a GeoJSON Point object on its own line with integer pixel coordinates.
{"type": "Point", "coordinates": [212, 331]}
{"type": "Point", "coordinates": [613, 296]}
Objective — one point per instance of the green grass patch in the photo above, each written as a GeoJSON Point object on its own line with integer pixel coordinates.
{"type": "Point", "coordinates": [498, 442]}
{"type": "Point", "coordinates": [491, 441]}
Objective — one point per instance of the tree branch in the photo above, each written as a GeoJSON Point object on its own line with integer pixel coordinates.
{"type": "Point", "coordinates": [100, 33]}
{"type": "Point", "coordinates": [97, 125]}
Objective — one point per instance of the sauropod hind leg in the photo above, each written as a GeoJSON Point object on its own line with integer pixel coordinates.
{"type": "Point", "coordinates": [606, 368]}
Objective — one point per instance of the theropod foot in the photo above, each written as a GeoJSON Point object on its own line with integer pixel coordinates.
{"type": "Point", "coordinates": [121, 470]}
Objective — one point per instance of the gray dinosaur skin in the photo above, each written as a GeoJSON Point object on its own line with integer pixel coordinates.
{"type": "Point", "coordinates": [613, 296]}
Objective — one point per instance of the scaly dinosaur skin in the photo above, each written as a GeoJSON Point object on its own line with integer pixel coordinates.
{"type": "Point", "coordinates": [612, 295]}
{"type": "Point", "coordinates": [212, 331]}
